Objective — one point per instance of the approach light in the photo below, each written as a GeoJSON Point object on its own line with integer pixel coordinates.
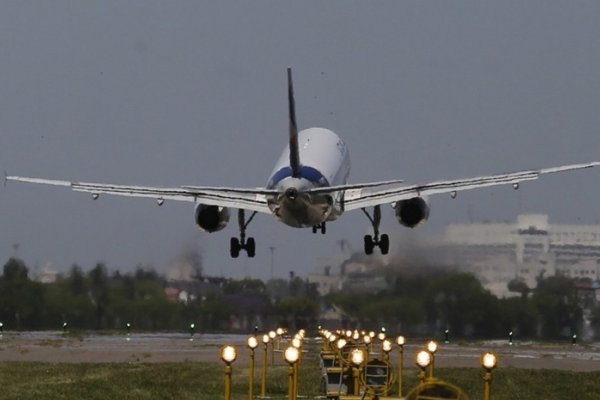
{"type": "Point", "coordinates": [228, 354]}
{"type": "Point", "coordinates": [400, 341]}
{"type": "Point", "coordinates": [357, 356]}
{"type": "Point", "coordinates": [372, 334]}
{"type": "Point", "coordinates": [291, 355]}
{"type": "Point", "coordinates": [386, 346]}
{"type": "Point", "coordinates": [252, 342]}
{"type": "Point", "coordinates": [332, 338]}
{"type": "Point", "coordinates": [297, 343]}
{"type": "Point", "coordinates": [272, 335]}
{"type": "Point", "coordinates": [423, 359]}
{"type": "Point", "coordinates": [381, 336]}
{"type": "Point", "coordinates": [280, 331]}
{"type": "Point", "coordinates": [367, 339]}
{"type": "Point", "coordinates": [348, 334]}
{"type": "Point", "coordinates": [432, 347]}
{"type": "Point", "coordinates": [489, 361]}
{"type": "Point", "coordinates": [341, 343]}
{"type": "Point", "coordinates": [265, 339]}
{"type": "Point", "coordinates": [355, 335]}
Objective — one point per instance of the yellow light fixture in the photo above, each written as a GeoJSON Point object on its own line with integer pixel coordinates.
{"type": "Point", "coordinates": [252, 342]}
{"type": "Point", "coordinates": [291, 355]}
{"type": "Point", "coordinates": [265, 339]}
{"type": "Point", "coordinates": [400, 341]}
{"type": "Point", "coordinates": [423, 359]}
{"type": "Point", "coordinates": [489, 361]}
{"type": "Point", "coordinates": [432, 347]}
{"type": "Point", "coordinates": [357, 356]}
{"type": "Point", "coordinates": [228, 354]}
{"type": "Point", "coordinates": [386, 346]}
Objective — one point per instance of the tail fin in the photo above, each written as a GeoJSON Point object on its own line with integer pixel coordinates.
{"type": "Point", "coordinates": [294, 150]}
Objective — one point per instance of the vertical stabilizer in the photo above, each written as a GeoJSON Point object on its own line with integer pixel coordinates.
{"type": "Point", "coordinates": [294, 150]}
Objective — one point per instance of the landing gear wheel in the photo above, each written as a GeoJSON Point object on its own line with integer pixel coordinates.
{"type": "Point", "coordinates": [369, 244]}
{"type": "Point", "coordinates": [251, 247]}
{"type": "Point", "coordinates": [384, 244]}
{"type": "Point", "coordinates": [234, 247]}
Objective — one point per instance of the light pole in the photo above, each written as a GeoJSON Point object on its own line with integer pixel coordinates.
{"type": "Point", "coordinates": [367, 340]}
{"type": "Point", "coordinates": [292, 356]}
{"type": "Point", "coordinates": [263, 383]}
{"type": "Point", "coordinates": [297, 344]}
{"type": "Point", "coordinates": [386, 347]}
{"type": "Point", "coordinates": [228, 355]}
{"type": "Point", "coordinates": [272, 248]}
{"type": "Point", "coordinates": [252, 343]}
{"type": "Point", "coordinates": [432, 347]}
{"type": "Point", "coordinates": [400, 342]}
{"type": "Point", "coordinates": [272, 336]}
{"type": "Point", "coordinates": [423, 360]}
{"type": "Point", "coordinates": [357, 356]}
{"type": "Point", "coordinates": [488, 361]}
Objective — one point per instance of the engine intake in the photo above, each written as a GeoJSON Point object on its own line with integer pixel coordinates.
{"type": "Point", "coordinates": [412, 212]}
{"type": "Point", "coordinates": [211, 218]}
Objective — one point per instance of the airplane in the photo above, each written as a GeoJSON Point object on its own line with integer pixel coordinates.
{"type": "Point", "coordinates": [308, 188]}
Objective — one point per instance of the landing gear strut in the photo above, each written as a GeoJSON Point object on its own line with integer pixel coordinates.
{"type": "Point", "coordinates": [371, 242]}
{"type": "Point", "coordinates": [242, 243]}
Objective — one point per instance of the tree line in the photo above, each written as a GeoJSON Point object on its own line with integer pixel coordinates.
{"type": "Point", "coordinates": [419, 304]}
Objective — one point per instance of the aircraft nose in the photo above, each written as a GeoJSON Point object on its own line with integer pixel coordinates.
{"type": "Point", "coordinates": [291, 193]}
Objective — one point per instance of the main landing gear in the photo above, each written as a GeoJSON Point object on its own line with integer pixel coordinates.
{"type": "Point", "coordinates": [371, 242]}
{"type": "Point", "coordinates": [242, 243]}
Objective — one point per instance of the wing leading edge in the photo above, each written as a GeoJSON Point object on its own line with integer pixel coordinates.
{"type": "Point", "coordinates": [361, 197]}
{"type": "Point", "coordinates": [249, 199]}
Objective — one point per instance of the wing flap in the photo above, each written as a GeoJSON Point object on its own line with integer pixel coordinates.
{"type": "Point", "coordinates": [361, 197]}
{"type": "Point", "coordinates": [249, 199]}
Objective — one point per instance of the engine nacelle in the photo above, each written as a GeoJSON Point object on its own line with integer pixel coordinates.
{"type": "Point", "coordinates": [211, 218]}
{"type": "Point", "coordinates": [412, 212]}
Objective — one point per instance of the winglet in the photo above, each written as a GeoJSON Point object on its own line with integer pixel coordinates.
{"type": "Point", "coordinates": [294, 150]}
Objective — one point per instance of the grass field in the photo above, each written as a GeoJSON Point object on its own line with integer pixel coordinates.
{"type": "Point", "coordinates": [205, 381]}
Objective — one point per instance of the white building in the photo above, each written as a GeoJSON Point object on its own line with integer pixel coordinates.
{"type": "Point", "coordinates": [526, 249]}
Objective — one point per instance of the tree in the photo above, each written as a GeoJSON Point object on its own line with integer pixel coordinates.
{"type": "Point", "coordinates": [556, 301]}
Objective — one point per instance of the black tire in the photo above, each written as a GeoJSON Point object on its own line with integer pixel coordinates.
{"type": "Point", "coordinates": [234, 247]}
{"type": "Point", "coordinates": [323, 228]}
{"type": "Point", "coordinates": [314, 229]}
{"type": "Point", "coordinates": [251, 247]}
{"type": "Point", "coordinates": [369, 244]}
{"type": "Point", "coordinates": [384, 244]}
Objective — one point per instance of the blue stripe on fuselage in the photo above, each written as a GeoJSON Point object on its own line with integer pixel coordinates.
{"type": "Point", "coordinates": [309, 173]}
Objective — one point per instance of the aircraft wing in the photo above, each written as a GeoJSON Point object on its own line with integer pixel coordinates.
{"type": "Point", "coordinates": [248, 199]}
{"type": "Point", "coordinates": [360, 197]}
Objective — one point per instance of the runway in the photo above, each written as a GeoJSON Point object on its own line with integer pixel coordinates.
{"type": "Point", "coordinates": [177, 347]}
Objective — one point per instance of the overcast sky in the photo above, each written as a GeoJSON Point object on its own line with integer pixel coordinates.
{"type": "Point", "coordinates": [194, 93]}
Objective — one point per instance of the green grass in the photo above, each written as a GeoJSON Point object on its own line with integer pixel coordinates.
{"type": "Point", "coordinates": [204, 381]}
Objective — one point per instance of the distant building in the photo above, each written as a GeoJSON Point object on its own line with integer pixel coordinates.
{"type": "Point", "coordinates": [528, 249]}
{"type": "Point", "coordinates": [48, 274]}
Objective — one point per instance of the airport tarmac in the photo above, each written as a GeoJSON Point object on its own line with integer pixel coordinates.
{"type": "Point", "coordinates": [177, 347]}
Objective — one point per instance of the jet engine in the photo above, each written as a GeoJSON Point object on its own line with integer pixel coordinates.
{"type": "Point", "coordinates": [211, 218]}
{"type": "Point", "coordinates": [412, 212]}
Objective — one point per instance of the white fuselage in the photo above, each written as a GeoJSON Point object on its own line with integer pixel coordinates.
{"type": "Point", "coordinates": [324, 162]}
